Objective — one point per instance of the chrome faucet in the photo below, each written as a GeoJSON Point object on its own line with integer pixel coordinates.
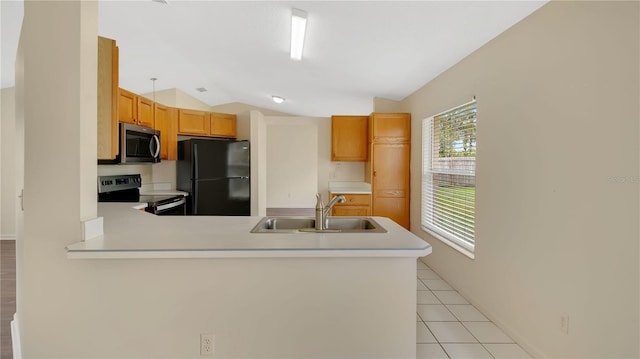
{"type": "Point", "coordinates": [322, 211]}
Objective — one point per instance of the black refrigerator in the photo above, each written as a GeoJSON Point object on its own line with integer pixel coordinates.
{"type": "Point", "coordinates": [216, 173]}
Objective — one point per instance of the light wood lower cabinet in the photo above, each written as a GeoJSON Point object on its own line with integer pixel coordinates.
{"type": "Point", "coordinates": [355, 205]}
{"type": "Point", "coordinates": [394, 208]}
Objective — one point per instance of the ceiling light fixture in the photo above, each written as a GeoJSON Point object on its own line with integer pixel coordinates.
{"type": "Point", "coordinates": [298, 28]}
{"type": "Point", "coordinates": [153, 81]}
{"type": "Point", "coordinates": [201, 89]}
{"type": "Point", "coordinates": [160, 1]}
{"type": "Point", "coordinates": [277, 99]}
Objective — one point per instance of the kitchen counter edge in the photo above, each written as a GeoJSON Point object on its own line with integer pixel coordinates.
{"type": "Point", "coordinates": [135, 234]}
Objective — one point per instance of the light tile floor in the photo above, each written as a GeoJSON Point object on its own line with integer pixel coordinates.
{"type": "Point", "coordinates": [448, 326]}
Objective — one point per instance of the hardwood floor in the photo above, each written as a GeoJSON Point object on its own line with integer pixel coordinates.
{"type": "Point", "coordinates": [7, 295]}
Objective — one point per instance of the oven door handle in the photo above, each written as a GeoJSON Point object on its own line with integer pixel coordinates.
{"type": "Point", "coordinates": [170, 205]}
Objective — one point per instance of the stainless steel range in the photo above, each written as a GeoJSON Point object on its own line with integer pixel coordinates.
{"type": "Point", "coordinates": [126, 188]}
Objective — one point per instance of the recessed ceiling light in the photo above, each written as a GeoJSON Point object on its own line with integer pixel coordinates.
{"type": "Point", "coordinates": [201, 89]}
{"type": "Point", "coordinates": [298, 28]}
{"type": "Point", "coordinates": [277, 99]}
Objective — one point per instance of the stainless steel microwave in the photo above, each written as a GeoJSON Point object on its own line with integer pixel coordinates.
{"type": "Point", "coordinates": [138, 144]}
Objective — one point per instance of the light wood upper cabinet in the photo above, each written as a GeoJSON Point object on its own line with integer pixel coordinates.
{"type": "Point", "coordinates": [355, 205]}
{"type": "Point", "coordinates": [209, 124]}
{"type": "Point", "coordinates": [349, 138]}
{"type": "Point", "coordinates": [135, 109]}
{"type": "Point", "coordinates": [107, 99]}
{"type": "Point", "coordinates": [192, 122]}
{"type": "Point", "coordinates": [223, 125]}
{"type": "Point", "coordinates": [127, 106]}
{"type": "Point", "coordinates": [390, 127]}
{"type": "Point", "coordinates": [145, 114]}
{"type": "Point", "coordinates": [117, 105]}
{"type": "Point", "coordinates": [166, 121]}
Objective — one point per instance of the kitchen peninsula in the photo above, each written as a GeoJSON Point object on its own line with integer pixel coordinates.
{"type": "Point", "coordinates": [130, 233]}
{"type": "Point", "coordinates": [330, 295]}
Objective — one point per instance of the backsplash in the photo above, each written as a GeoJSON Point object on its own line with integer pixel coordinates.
{"type": "Point", "coordinates": [347, 171]}
{"type": "Point", "coordinates": [163, 172]}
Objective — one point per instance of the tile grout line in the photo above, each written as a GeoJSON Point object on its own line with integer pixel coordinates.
{"type": "Point", "coordinates": [457, 320]}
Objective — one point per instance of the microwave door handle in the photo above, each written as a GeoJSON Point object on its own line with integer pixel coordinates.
{"type": "Point", "coordinates": [156, 140]}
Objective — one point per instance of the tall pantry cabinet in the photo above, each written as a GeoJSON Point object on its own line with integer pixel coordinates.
{"type": "Point", "coordinates": [387, 167]}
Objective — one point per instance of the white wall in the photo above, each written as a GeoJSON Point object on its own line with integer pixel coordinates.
{"type": "Point", "coordinates": [292, 167]}
{"type": "Point", "coordinates": [56, 99]}
{"type": "Point", "coordinates": [557, 178]}
{"type": "Point", "coordinates": [8, 166]}
{"type": "Point", "coordinates": [285, 143]}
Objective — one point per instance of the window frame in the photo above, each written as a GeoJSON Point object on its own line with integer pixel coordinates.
{"type": "Point", "coordinates": [444, 236]}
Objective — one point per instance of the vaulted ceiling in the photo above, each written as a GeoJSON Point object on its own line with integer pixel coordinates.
{"type": "Point", "coordinates": [239, 50]}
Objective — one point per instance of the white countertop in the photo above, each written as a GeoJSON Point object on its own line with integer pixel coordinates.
{"type": "Point", "coordinates": [347, 187]}
{"type": "Point", "coordinates": [160, 189]}
{"type": "Point", "coordinates": [131, 233]}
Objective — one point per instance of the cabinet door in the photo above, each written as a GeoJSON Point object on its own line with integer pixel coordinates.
{"type": "Point", "coordinates": [127, 106]}
{"type": "Point", "coordinates": [396, 208]}
{"type": "Point", "coordinates": [223, 125]}
{"type": "Point", "coordinates": [390, 127]}
{"type": "Point", "coordinates": [349, 138]}
{"type": "Point", "coordinates": [166, 121]}
{"type": "Point", "coordinates": [391, 167]}
{"type": "Point", "coordinates": [354, 205]}
{"type": "Point", "coordinates": [192, 122]}
{"type": "Point", "coordinates": [145, 115]}
{"type": "Point", "coordinates": [172, 141]}
{"type": "Point", "coordinates": [107, 99]}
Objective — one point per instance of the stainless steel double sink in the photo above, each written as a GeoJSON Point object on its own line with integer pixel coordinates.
{"type": "Point", "coordinates": [307, 224]}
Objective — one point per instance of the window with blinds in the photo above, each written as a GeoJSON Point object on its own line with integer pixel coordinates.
{"type": "Point", "coordinates": [449, 176]}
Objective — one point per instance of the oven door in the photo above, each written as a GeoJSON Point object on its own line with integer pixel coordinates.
{"type": "Point", "coordinates": [139, 144]}
{"type": "Point", "coordinates": [175, 207]}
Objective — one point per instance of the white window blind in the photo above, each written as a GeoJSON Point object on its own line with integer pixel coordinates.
{"type": "Point", "coordinates": [449, 176]}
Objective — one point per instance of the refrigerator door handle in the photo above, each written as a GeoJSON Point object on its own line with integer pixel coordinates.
{"type": "Point", "coordinates": [195, 160]}
{"type": "Point", "coordinates": [195, 198]}
{"type": "Point", "coordinates": [195, 177]}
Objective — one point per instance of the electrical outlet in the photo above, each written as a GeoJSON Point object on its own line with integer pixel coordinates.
{"type": "Point", "coordinates": [206, 344]}
{"type": "Point", "coordinates": [564, 324]}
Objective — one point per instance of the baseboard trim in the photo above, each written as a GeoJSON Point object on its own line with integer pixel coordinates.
{"type": "Point", "coordinates": [7, 237]}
